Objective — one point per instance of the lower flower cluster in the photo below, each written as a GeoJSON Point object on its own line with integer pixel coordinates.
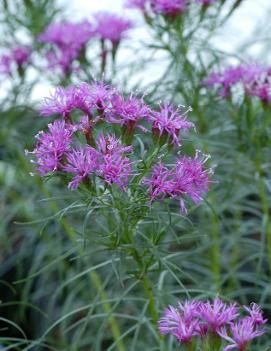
{"type": "Point", "coordinates": [212, 322]}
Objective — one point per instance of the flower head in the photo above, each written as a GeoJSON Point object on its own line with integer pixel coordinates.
{"type": "Point", "coordinates": [111, 27]}
{"type": "Point", "coordinates": [67, 34]}
{"type": "Point", "coordinates": [82, 162]}
{"type": "Point", "coordinates": [21, 54]}
{"type": "Point", "coordinates": [168, 7]}
{"type": "Point", "coordinates": [66, 39]}
{"type": "Point", "coordinates": [110, 145]}
{"type": "Point", "coordinates": [218, 314]}
{"type": "Point", "coordinates": [127, 112]}
{"type": "Point", "coordinates": [227, 79]}
{"type": "Point", "coordinates": [256, 314]}
{"type": "Point", "coordinates": [187, 178]}
{"type": "Point", "coordinates": [115, 169]}
{"type": "Point", "coordinates": [98, 94]}
{"type": "Point", "coordinates": [61, 102]}
{"type": "Point", "coordinates": [161, 183]}
{"type": "Point", "coordinates": [18, 56]}
{"type": "Point", "coordinates": [5, 64]}
{"type": "Point", "coordinates": [253, 78]}
{"type": "Point", "coordinates": [169, 121]}
{"type": "Point", "coordinates": [83, 97]}
{"type": "Point", "coordinates": [52, 146]}
{"type": "Point", "coordinates": [191, 178]}
{"type": "Point", "coordinates": [181, 322]}
{"type": "Point", "coordinates": [242, 333]}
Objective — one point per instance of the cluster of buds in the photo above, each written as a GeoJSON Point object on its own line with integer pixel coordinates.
{"type": "Point", "coordinates": [89, 110]}
{"type": "Point", "coordinates": [212, 322]}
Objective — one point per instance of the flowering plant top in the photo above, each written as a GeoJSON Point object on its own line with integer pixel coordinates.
{"type": "Point", "coordinates": [109, 122]}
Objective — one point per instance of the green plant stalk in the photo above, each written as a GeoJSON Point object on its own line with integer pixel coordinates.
{"type": "Point", "coordinates": [235, 251]}
{"type": "Point", "coordinates": [215, 251]}
{"type": "Point", "coordinates": [215, 247]}
{"type": "Point", "coordinates": [191, 346]}
{"type": "Point", "coordinates": [215, 342]}
{"type": "Point", "coordinates": [205, 345]}
{"type": "Point", "coordinates": [152, 307]}
{"type": "Point", "coordinates": [265, 209]}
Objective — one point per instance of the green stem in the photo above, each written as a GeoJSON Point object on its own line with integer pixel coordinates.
{"type": "Point", "coordinates": [190, 346]}
{"type": "Point", "coordinates": [265, 209]}
{"type": "Point", "coordinates": [205, 345]}
{"type": "Point", "coordinates": [152, 306]}
{"type": "Point", "coordinates": [215, 252]}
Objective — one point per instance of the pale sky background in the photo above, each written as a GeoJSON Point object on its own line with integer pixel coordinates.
{"type": "Point", "coordinates": [239, 29]}
{"type": "Point", "coordinates": [251, 14]}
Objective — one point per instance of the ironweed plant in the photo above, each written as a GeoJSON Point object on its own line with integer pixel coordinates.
{"type": "Point", "coordinates": [117, 215]}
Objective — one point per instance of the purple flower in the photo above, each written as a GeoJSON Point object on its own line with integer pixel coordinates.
{"type": "Point", "coordinates": [242, 333]}
{"type": "Point", "coordinates": [127, 112]}
{"type": "Point", "coordinates": [114, 166]}
{"type": "Point", "coordinates": [111, 27]}
{"type": "Point", "coordinates": [187, 178]}
{"type": "Point", "coordinates": [227, 79]}
{"type": "Point", "coordinates": [97, 95]}
{"type": "Point", "coordinates": [21, 54]}
{"type": "Point", "coordinates": [82, 162]}
{"type": "Point", "coordinates": [110, 145]}
{"type": "Point", "coordinates": [218, 314]}
{"type": "Point", "coordinates": [61, 102]}
{"type": "Point", "coordinates": [191, 178]}
{"type": "Point", "coordinates": [5, 64]}
{"type": "Point", "coordinates": [169, 121]}
{"type": "Point", "coordinates": [62, 59]}
{"type": "Point", "coordinates": [52, 146]}
{"type": "Point", "coordinates": [169, 7]}
{"type": "Point", "coordinates": [262, 91]}
{"type": "Point", "coordinates": [256, 314]}
{"type": "Point", "coordinates": [67, 34]}
{"type": "Point", "coordinates": [253, 78]}
{"type": "Point", "coordinates": [181, 322]}
{"type": "Point", "coordinates": [161, 183]}
{"type": "Point", "coordinates": [67, 40]}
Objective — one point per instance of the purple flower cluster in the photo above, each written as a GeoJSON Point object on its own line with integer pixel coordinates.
{"type": "Point", "coordinates": [169, 121]}
{"type": "Point", "coordinates": [56, 151]}
{"type": "Point", "coordinates": [83, 108]}
{"type": "Point", "coordinates": [18, 57]}
{"type": "Point", "coordinates": [254, 80]}
{"type": "Point", "coordinates": [198, 319]}
{"type": "Point", "coordinates": [67, 39]}
{"type": "Point", "coordinates": [168, 7]}
{"type": "Point", "coordinates": [111, 27]}
{"type": "Point", "coordinates": [165, 7]}
{"type": "Point", "coordinates": [188, 178]}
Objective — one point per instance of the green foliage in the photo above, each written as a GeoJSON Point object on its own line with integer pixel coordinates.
{"type": "Point", "coordinates": [86, 272]}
